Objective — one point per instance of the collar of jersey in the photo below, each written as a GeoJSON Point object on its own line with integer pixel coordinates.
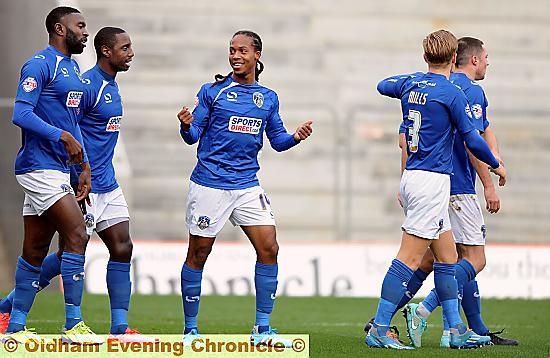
{"type": "Point", "coordinates": [104, 74]}
{"type": "Point", "coordinates": [57, 52]}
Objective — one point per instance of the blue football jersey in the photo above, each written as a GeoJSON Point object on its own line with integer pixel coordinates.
{"type": "Point", "coordinates": [229, 120]}
{"type": "Point", "coordinates": [51, 83]}
{"type": "Point", "coordinates": [435, 108]}
{"type": "Point", "coordinates": [463, 180]}
{"type": "Point", "coordinates": [100, 126]}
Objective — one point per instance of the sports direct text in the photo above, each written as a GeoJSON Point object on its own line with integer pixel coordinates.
{"type": "Point", "coordinates": [244, 125]}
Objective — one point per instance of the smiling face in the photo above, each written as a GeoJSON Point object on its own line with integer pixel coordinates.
{"type": "Point", "coordinates": [243, 57]}
{"type": "Point", "coordinates": [76, 34]}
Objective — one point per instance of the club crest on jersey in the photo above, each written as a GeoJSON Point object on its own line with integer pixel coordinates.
{"type": "Point", "coordinates": [244, 125]}
{"type": "Point", "coordinates": [29, 84]}
{"type": "Point", "coordinates": [73, 98]}
{"type": "Point", "coordinates": [258, 99]}
{"type": "Point", "coordinates": [203, 222]}
{"type": "Point", "coordinates": [477, 110]}
{"type": "Point", "coordinates": [113, 125]}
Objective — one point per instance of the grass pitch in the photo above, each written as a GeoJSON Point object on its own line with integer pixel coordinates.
{"type": "Point", "coordinates": [335, 325]}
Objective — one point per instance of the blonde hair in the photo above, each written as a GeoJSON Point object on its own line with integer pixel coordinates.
{"type": "Point", "coordinates": [440, 47]}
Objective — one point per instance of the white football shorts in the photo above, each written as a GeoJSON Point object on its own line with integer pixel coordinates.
{"type": "Point", "coordinates": [467, 220]}
{"type": "Point", "coordinates": [107, 210]}
{"type": "Point", "coordinates": [208, 209]}
{"type": "Point", "coordinates": [43, 188]}
{"type": "Point", "coordinates": [425, 198]}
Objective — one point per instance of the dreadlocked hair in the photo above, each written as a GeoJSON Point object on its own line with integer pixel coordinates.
{"type": "Point", "coordinates": [257, 43]}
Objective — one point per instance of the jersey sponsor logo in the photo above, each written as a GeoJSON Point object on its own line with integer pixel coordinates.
{"type": "Point", "coordinates": [244, 125]}
{"type": "Point", "coordinates": [29, 84]}
{"type": "Point", "coordinates": [113, 125]}
{"type": "Point", "coordinates": [108, 98]}
{"type": "Point", "coordinates": [73, 98]}
{"type": "Point", "coordinates": [468, 111]}
{"type": "Point", "coordinates": [203, 222]}
{"type": "Point", "coordinates": [424, 84]}
{"type": "Point", "coordinates": [477, 110]}
{"type": "Point", "coordinates": [231, 96]}
{"type": "Point", "coordinates": [258, 99]}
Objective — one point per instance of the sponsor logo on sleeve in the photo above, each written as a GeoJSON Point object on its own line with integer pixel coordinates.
{"type": "Point", "coordinates": [73, 98]}
{"type": "Point", "coordinates": [477, 110]}
{"type": "Point", "coordinates": [468, 111]}
{"type": "Point", "coordinates": [113, 125]}
{"type": "Point", "coordinates": [29, 84]}
{"type": "Point", "coordinates": [244, 125]}
{"type": "Point", "coordinates": [65, 72]}
{"type": "Point", "coordinates": [108, 98]}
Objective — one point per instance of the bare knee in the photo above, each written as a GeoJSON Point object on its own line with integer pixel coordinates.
{"type": "Point", "coordinates": [121, 251]}
{"type": "Point", "coordinates": [197, 255]}
{"type": "Point", "coordinates": [75, 240]}
{"type": "Point", "coordinates": [267, 254]}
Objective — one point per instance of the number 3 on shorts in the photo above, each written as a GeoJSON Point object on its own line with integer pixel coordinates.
{"type": "Point", "coordinates": [416, 118]}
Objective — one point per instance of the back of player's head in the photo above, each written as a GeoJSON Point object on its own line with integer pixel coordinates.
{"type": "Point", "coordinates": [467, 47]}
{"type": "Point", "coordinates": [56, 15]}
{"type": "Point", "coordinates": [439, 47]}
{"type": "Point", "coordinates": [106, 37]}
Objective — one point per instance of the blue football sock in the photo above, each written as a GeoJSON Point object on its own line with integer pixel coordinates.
{"type": "Point", "coordinates": [72, 273]}
{"type": "Point", "coordinates": [446, 326]}
{"type": "Point", "coordinates": [26, 284]}
{"type": "Point", "coordinates": [465, 272]}
{"type": "Point", "coordinates": [447, 289]}
{"type": "Point", "coordinates": [413, 286]}
{"type": "Point", "coordinates": [431, 302]}
{"type": "Point", "coordinates": [7, 302]}
{"type": "Point", "coordinates": [394, 287]}
{"type": "Point", "coordinates": [119, 288]}
{"type": "Point", "coordinates": [190, 294]}
{"type": "Point", "coordinates": [471, 302]}
{"type": "Point", "coordinates": [265, 281]}
{"type": "Point", "coordinates": [51, 267]}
